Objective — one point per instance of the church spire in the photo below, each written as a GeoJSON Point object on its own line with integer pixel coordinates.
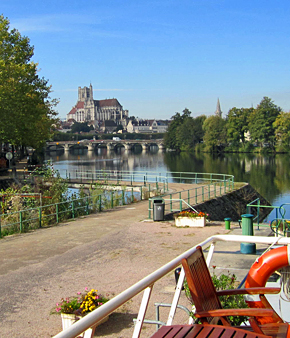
{"type": "Point", "coordinates": [218, 111]}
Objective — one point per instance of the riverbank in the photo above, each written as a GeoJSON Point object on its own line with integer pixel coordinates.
{"type": "Point", "coordinates": [108, 251]}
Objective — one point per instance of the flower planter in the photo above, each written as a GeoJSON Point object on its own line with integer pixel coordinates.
{"type": "Point", "coordinates": [69, 319]}
{"type": "Point", "coordinates": [195, 222]}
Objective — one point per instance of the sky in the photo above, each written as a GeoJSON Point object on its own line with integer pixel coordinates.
{"type": "Point", "coordinates": [160, 57]}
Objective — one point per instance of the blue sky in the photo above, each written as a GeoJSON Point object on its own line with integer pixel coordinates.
{"type": "Point", "coordinates": [159, 57]}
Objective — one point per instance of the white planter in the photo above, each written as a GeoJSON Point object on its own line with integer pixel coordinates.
{"type": "Point", "coordinates": [69, 319]}
{"type": "Point", "coordinates": [195, 222]}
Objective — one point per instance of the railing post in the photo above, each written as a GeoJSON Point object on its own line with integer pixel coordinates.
{"type": "Point", "coordinates": [180, 202]}
{"type": "Point", "coordinates": [209, 191]}
{"type": "Point", "coordinates": [170, 196]}
{"type": "Point", "coordinates": [20, 221]}
{"type": "Point", "coordinates": [0, 227]}
{"type": "Point", "coordinates": [195, 195]}
{"type": "Point", "coordinates": [132, 196]}
{"type": "Point", "coordinates": [40, 216]}
{"type": "Point", "coordinates": [56, 212]}
{"type": "Point", "coordinates": [214, 187]}
{"type": "Point", "coordinates": [149, 210]}
{"type": "Point", "coordinates": [73, 209]}
{"type": "Point", "coordinates": [112, 199]}
{"type": "Point", "coordinates": [141, 193]}
{"type": "Point", "coordinates": [202, 193]}
{"type": "Point", "coordinates": [87, 204]}
{"type": "Point", "coordinates": [188, 196]}
{"type": "Point", "coordinates": [123, 197]}
{"type": "Point", "coordinates": [100, 203]}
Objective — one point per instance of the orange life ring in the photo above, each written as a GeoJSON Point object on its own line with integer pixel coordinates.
{"type": "Point", "coordinates": [263, 268]}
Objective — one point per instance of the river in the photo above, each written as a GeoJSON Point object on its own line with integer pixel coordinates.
{"type": "Point", "coordinates": [269, 175]}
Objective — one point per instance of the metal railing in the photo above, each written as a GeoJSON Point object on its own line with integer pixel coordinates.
{"type": "Point", "coordinates": [44, 215]}
{"type": "Point", "coordinates": [191, 197]}
{"type": "Point", "coordinates": [150, 184]}
{"type": "Point", "coordinates": [147, 283]}
{"type": "Point", "coordinates": [279, 225]}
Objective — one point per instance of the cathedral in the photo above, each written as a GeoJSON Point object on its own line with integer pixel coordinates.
{"type": "Point", "coordinates": [95, 112]}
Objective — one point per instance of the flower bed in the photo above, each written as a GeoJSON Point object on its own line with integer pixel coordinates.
{"type": "Point", "coordinates": [191, 219]}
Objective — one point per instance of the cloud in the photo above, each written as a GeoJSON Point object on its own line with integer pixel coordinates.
{"type": "Point", "coordinates": [54, 22]}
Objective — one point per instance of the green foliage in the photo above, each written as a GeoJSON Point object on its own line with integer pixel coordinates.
{"type": "Point", "coordinates": [26, 109]}
{"type": "Point", "coordinates": [81, 304]}
{"type": "Point", "coordinates": [226, 282]}
{"type": "Point", "coordinates": [282, 131]}
{"type": "Point", "coordinates": [78, 127]}
{"type": "Point", "coordinates": [261, 122]}
{"type": "Point", "coordinates": [184, 132]}
{"type": "Point", "coordinates": [214, 133]}
{"type": "Point", "coordinates": [237, 125]}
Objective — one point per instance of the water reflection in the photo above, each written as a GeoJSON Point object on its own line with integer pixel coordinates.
{"type": "Point", "coordinates": [269, 175]}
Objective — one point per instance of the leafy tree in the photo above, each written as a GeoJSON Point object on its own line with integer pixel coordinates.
{"type": "Point", "coordinates": [261, 122]}
{"type": "Point", "coordinates": [282, 130]}
{"type": "Point", "coordinates": [79, 127]}
{"type": "Point", "coordinates": [190, 132]}
{"type": "Point", "coordinates": [237, 125]}
{"type": "Point", "coordinates": [26, 109]}
{"type": "Point", "coordinates": [198, 132]}
{"type": "Point", "coordinates": [184, 134]}
{"type": "Point", "coordinates": [170, 139]}
{"type": "Point", "coordinates": [214, 133]}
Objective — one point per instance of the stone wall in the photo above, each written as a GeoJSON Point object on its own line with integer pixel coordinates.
{"type": "Point", "coordinates": [234, 205]}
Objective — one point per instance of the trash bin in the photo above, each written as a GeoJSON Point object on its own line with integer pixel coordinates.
{"type": "Point", "coordinates": [158, 209]}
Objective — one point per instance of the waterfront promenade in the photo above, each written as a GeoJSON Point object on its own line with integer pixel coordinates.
{"type": "Point", "coordinates": [108, 251]}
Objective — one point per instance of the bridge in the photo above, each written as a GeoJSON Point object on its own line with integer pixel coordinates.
{"type": "Point", "coordinates": [109, 144]}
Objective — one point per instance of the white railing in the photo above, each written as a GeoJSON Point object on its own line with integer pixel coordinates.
{"type": "Point", "coordinates": [146, 285]}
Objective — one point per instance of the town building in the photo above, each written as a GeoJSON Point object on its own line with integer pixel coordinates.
{"type": "Point", "coordinates": [146, 126]}
{"type": "Point", "coordinates": [95, 112]}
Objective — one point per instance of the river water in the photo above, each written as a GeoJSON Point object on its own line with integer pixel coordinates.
{"type": "Point", "coordinates": [269, 175]}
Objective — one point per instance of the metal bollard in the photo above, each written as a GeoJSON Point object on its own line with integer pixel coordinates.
{"type": "Point", "coordinates": [227, 223]}
{"type": "Point", "coordinates": [248, 230]}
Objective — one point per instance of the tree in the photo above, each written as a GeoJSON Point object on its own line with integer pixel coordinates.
{"type": "Point", "coordinates": [237, 125]}
{"type": "Point", "coordinates": [214, 133]}
{"type": "Point", "coordinates": [282, 130]}
{"type": "Point", "coordinates": [261, 122]}
{"type": "Point", "coordinates": [26, 109]}
{"type": "Point", "coordinates": [79, 127]}
{"type": "Point", "coordinates": [170, 139]}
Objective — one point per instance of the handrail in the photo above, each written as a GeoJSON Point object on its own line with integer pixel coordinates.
{"type": "Point", "coordinates": [204, 192]}
{"type": "Point", "coordinates": [148, 282]}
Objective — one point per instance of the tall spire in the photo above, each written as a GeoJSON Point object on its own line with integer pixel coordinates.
{"type": "Point", "coordinates": [218, 111]}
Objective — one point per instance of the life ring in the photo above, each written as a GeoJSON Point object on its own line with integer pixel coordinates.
{"type": "Point", "coordinates": [260, 272]}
